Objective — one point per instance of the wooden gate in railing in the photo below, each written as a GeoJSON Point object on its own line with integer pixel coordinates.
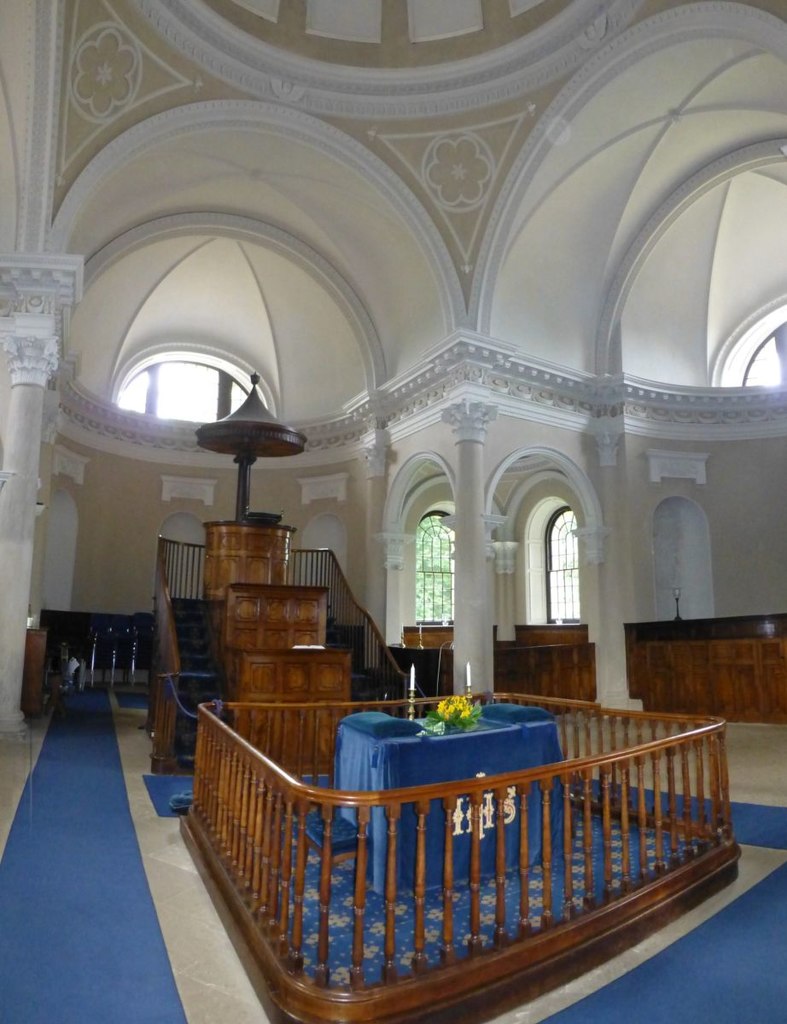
{"type": "Point", "coordinates": [353, 625]}
{"type": "Point", "coordinates": [646, 832]}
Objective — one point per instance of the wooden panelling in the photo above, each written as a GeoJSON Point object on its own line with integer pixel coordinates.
{"type": "Point", "coordinates": [273, 617]}
{"type": "Point", "coordinates": [427, 636]}
{"type": "Point", "coordinates": [545, 634]}
{"type": "Point", "coordinates": [32, 702]}
{"type": "Point", "coordinates": [238, 553]}
{"type": "Point", "coordinates": [557, 670]}
{"type": "Point", "coordinates": [305, 675]}
{"type": "Point", "coordinates": [735, 670]}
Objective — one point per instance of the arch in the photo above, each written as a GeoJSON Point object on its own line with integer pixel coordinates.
{"type": "Point", "coordinates": [184, 527]}
{"type": "Point", "coordinates": [589, 512]}
{"type": "Point", "coordinates": [290, 124]}
{"type": "Point", "coordinates": [659, 32]}
{"type": "Point", "coordinates": [405, 488]}
{"type": "Point", "coordinates": [60, 552]}
{"type": "Point", "coordinates": [270, 237]}
{"type": "Point", "coordinates": [326, 531]}
{"type": "Point", "coordinates": [682, 559]}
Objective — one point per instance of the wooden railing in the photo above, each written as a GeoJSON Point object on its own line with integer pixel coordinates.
{"type": "Point", "coordinates": [354, 626]}
{"type": "Point", "coordinates": [322, 952]}
{"type": "Point", "coordinates": [162, 707]}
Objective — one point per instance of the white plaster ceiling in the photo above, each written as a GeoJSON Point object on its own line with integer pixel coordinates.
{"type": "Point", "coordinates": [640, 228]}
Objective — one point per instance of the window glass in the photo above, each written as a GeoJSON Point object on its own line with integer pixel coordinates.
{"type": "Point", "coordinates": [434, 570]}
{"type": "Point", "coordinates": [764, 367]}
{"type": "Point", "coordinates": [183, 390]}
{"type": "Point", "coordinates": [562, 567]}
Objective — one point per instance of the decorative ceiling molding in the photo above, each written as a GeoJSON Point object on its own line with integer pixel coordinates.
{"type": "Point", "coordinates": [478, 370]}
{"type": "Point", "coordinates": [553, 50]}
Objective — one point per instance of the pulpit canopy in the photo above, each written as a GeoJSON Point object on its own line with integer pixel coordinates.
{"type": "Point", "coordinates": [251, 432]}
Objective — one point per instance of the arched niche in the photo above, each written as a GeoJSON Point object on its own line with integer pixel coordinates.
{"type": "Point", "coordinates": [326, 531]}
{"type": "Point", "coordinates": [183, 527]}
{"type": "Point", "coordinates": [682, 560]}
{"type": "Point", "coordinates": [60, 552]}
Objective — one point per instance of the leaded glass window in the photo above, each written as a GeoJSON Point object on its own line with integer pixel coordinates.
{"type": "Point", "coordinates": [434, 570]}
{"type": "Point", "coordinates": [562, 567]}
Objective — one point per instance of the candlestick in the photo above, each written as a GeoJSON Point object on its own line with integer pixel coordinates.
{"type": "Point", "coordinates": [468, 683]}
{"type": "Point", "coordinates": [411, 696]}
{"type": "Point", "coordinates": [676, 595]}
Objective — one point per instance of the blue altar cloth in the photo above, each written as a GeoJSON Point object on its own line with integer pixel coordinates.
{"type": "Point", "coordinates": [368, 759]}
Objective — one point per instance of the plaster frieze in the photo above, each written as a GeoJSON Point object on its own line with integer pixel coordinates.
{"type": "Point", "coordinates": [470, 371]}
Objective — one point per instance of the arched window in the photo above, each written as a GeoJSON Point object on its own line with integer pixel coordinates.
{"type": "Point", "coordinates": [434, 570]}
{"type": "Point", "coordinates": [768, 365]}
{"type": "Point", "coordinates": [183, 388]}
{"type": "Point", "coordinates": [562, 563]}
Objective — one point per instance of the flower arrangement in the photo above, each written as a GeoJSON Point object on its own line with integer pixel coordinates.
{"type": "Point", "coordinates": [457, 712]}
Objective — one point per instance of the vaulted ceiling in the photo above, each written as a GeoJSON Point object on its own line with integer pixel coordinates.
{"type": "Point", "coordinates": [325, 192]}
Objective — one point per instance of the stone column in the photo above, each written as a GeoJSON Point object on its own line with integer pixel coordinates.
{"type": "Point", "coordinates": [37, 292]}
{"type": "Point", "coordinates": [394, 567]}
{"type": "Point", "coordinates": [473, 642]}
{"type": "Point", "coordinates": [31, 346]}
{"type": "Point", "coordinates": [505, 567]}
{"type": "Point", "coordinates": [375, 451]}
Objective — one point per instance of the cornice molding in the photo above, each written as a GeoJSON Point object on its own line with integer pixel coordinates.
{"type": "Point", "coordinates": [554, 50]}
{"type": "Point", "coordinates": [475, 370]}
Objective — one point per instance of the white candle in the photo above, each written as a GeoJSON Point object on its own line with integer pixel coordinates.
{"type": "Point", "coordinates": [412, 679]}
{"type": "Point", "coordinates": [467, 678]}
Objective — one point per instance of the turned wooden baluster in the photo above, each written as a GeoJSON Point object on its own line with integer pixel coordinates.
{"type": "Point", "coordinates": [699, 772]}
{"type": "Point", "coordinates": [275, 863]}
{"type": "Point", "coordinates": [245, 810]}
{"type": "Point", "coordinates": [359, 899]}
{"type": "Point", "coordinates": [673, 807]}
{"type": "Point", "coordinates": [199, 759]}
{"type": "Point", "coordinates": [222, 821]}
{"type": "Point", "coordinates": [625, 829]}
{"type": "Point", "coordinates": [448, 950]}
{"type": "Point", "coordinates": [547, 915]}
{"type": "Point", "coordinates": [419, 888]}
{"type": "Point", "coordinates": [714, 772]}
{"type": "Point", "coordinates": [389, 970]}
{"type": "Point", "coordinates": [474, 943]}
{"type": "Point", "coordinates": [295, 953]}
{"type": "Point", "coordinates": [688, 829]}
{"type": "Point", "coordinates": [285, 879]}
{"type": "Point", "coordinates": [241, 801]}
{"type": "Point", "coordinates": [524, 862]}
{"type": "Point", "coordinates": [568, 842]}
{"type": "Point", "coordinates": [642, 820]}
{"type": "Point", "coordinates": [606, 830]}
{"type": "Point", "coordinates": [724, 796]}
{"type": "Point", "coordinates": [589, 897]}
{"type": "Point", "coordinates": [502, 803]}
{"type": "Point", "coordinates": [267, 834]}
{"type": "Point", "coordinates": [656, 759]}
{"type": "Point", "coordinates": [321, 973]}
{"type": "Point", "coordinates": [257, 841]}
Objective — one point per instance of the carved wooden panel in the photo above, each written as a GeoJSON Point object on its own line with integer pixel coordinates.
{"type": "Point", "coordinates": [237, 553]}
{"type": "Point", "coordinates": [305, 675]}
{"type": "Point", "coordinates": [271, 617]}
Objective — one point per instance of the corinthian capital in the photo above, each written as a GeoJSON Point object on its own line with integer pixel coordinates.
{"type": "Point", "coordinates": [470, 420]}
{"type": "Point", "coordinates": [31, 346]}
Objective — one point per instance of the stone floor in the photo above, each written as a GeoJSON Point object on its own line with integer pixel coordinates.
{"type": "Point", "coordinates": [213, 985]}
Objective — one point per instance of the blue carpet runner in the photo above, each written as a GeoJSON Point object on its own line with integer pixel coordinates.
{"type": "Point", "coordinates": [730, 970]}
{"type": "Point", "coordinates": [79, 938]}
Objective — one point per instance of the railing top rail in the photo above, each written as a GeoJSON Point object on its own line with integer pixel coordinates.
{"type": "Point", "coordinates": [349, 798]}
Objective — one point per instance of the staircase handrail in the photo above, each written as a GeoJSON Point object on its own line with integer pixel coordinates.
{"type": "Point", "coordinates": [166, 665]}
{"type": "Point", "coordinates": [320, 567]}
